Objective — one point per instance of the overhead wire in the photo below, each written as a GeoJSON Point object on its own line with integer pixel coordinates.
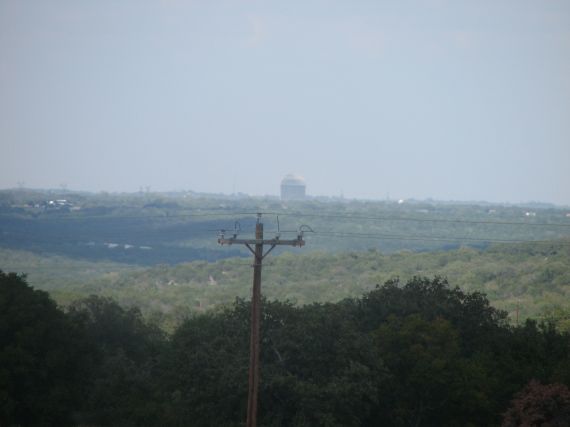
{"type": "Point", "coordinates": [435, 238]}
{"type": "Point", "coordinates": [111, 217]}
{"type": "Point", "coordinates": [292, 214]}
{"type": "Point", "coordinates": [203, 233]}
{"type": "Point", "coordinates": [328, 233]}
{"type": "Point", "coordinates": [442, 220]}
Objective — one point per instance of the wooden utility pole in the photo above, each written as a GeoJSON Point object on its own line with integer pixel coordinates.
{"type": "Point", "coordinates": [254, 341]}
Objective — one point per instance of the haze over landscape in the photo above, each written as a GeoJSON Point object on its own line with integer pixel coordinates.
{"type": "Point", "coordinates": [284, 214]}
{"type": "Point", "coordinates": [443, 99]}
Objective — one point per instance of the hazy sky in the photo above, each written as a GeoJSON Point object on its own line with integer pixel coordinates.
{"type": "Point", "coordinates": [455, 100]}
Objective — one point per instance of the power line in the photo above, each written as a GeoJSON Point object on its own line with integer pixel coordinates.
{"type": "Point", "coordinates": [291, 214]}
{"type": "Point", "coordinates": [138, 238]}
{"type": "Point", "coordinates": [111, 217]}
{"type": "Point", "coordinates": [347, 234]}
{"type": "Point", "coordinates": [442, 220]}
{"type": "Point", "coordinates": [434, 238]}
{"type": "Point", "coordinates": [121, 267]}
{"type": "Point", "coordinates": [203, 234]}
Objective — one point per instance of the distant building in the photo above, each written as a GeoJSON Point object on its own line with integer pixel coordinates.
{"type": "Point", "coordinates": [293, 187]}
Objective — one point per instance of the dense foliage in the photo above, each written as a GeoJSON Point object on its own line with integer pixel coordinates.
{"type": "Point", "coordinates": [528, 281]}
{"type": "Point", "coordinates": [419, 353]}
{"type": "Point", "coordinates": [40, 357]}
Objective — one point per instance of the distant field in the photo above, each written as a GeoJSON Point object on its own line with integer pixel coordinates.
{"type": "Point", "coordinates": [150, 229]}
{"type": "Point", "coordinates": [160, 252]}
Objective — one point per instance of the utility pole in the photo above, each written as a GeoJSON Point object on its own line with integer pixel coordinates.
{"type": "Point", "coordinates": [254, 342]}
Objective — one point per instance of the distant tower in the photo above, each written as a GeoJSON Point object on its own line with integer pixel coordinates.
{"type": "Point", "coordinates": [293, 187]}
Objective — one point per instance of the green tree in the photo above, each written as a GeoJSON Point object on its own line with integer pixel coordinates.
{"type": "Point", "coordinates": [470, 312]}
{"type": "Point", "coordinates": [205, 370]}
{"type": "Point", "coordinates": [40, 357]}
{"type": "Point", "coordinates": [123, 372]}
{"type": "Point", "coordinates": [319, 369]}
{"type": "Point", "coordinates": [423, 358]}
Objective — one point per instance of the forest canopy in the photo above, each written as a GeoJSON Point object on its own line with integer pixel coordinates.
{"type": "Point", "coordinates": [416, 353]}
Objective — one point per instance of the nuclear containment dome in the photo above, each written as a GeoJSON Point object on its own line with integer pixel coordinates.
{"type": "Point", "coordinates": [293, 187]}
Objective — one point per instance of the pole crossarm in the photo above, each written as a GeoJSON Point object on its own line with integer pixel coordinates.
{"type": "Point", "coordinates": [273, 242]}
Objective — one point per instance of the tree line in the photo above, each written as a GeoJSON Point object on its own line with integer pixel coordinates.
{"type": "Point", "coordinates": [529, 281]}
{"type": "Point", "coordinates": [420, 353]}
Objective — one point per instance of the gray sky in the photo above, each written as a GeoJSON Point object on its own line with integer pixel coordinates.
{"type": "Point", "coordinates": [462, 100]}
